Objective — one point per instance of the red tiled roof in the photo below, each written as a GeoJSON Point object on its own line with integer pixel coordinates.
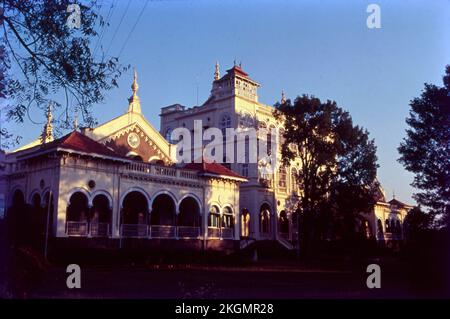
{"type": "Point", "coordinates": [238, 70]}
{"type": "Point", "coordinates": [212, 168]}
{"type": "Point", "coordinates": [78, 142]}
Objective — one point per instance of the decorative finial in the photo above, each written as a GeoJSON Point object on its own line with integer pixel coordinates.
{"type": "Point", "coordinates": [134, 101]}
{"type": "Point", "coordinates": [135, 86]}
{"type": "Point", "coordinates": [234, 62]}
{"type": "Point", "coordinates": [240, 65]}
{"type": "Point", "coordinates": [47, 133]}
{"type": "Point", "coordinates": [283, 97]}
{"type": "Point", "coordinates": [217, 72]}
{"type": "Point", "coordinates": [393, 194]}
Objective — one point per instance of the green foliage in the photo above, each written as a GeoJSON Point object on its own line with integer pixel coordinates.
{"type": "Point", "coordinates": [45, 61]}
{"type": "Point", "coordinates": [425, 151]}
{"type": "Point", "coordinates": [337, 161]}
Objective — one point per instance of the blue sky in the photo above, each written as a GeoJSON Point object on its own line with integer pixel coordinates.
{"type": "Point", "coordinates": [322, 48]}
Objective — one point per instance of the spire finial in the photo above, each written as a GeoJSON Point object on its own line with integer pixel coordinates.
{"type": "Point", "coordinates": [135, 85]}
{"type": "Point", "coordinates": [134, 101]}
{"type": "Point", "coordinates": [393, 193]}
{"type": "Point", "coordinates": [217, 72]}
{"type": "Point", "coordinates": [47, 133]}
{"type": "Point", "coordinates": [283, 97]}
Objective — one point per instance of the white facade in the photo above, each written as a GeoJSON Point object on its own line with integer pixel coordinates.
{"type": "Point", "coordinates": [234, 103]}
{"type": "Point", "coordinates": [120, 180]}
{"type": "Point", "coordinates": [99, 189]}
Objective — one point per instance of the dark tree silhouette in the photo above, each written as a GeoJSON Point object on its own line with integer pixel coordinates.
{"type": "Point", "coordinates": [337, 163]}
{"type": "Point", "coordinates": [45, 61]}
{"type": "Point", "coordinates": [425, 151]}
{"type": "Point", "coordinates": [416, 222]}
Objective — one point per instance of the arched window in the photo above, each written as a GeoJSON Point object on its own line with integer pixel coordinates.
{"type": "Point", "coordinates": [387, 226]}
{"type": "Point", "coordinates": [77, 216]}
{"type": "Point", "coordinates": [225, 122]}
{"type": "Point", "coordinates": [227, 218]}
{"type": "Point", "coordinates": [265, 219]}
{"type": "Point", "coordinates": [365, 229]}
{"type": "Point", "coordinates": [189, 218]}
{"type": "Point", "coordinates": [284, 223]}
{"type": "Point", "coordinates": [379, 227]}
{"type": "Point", "coordinates": [269, 139]}
{"type": "Point", "coordinates": [282, 176]}
{"type": "Point", "coordinates": [78, 209]}
{"type": "Point", "coordinates": [18, 214]}
{"type": "Point", "coordinates": [101, 216]}
{"type": "Point", "coordinates": [134, 215]}
{"type": "Point", "coordinates": [134, 208]}
{"type": "Point", "coordinates": [189, 213]}
{"type": "Point", "coordinates": [134, 156]}
{"type": "Point", "coordinates": [163, 210]}
{"type": "Point", "coordinates": [214, 217]}
{"type": "Point", "coordinates": [245, 223]}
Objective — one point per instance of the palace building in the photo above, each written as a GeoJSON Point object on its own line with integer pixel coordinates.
{"type": "Point", "coordinates": [119, 183]}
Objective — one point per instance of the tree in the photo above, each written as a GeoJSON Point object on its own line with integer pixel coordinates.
{"type": "Point", "coordinates": [353, 187]}
{"type": "Point", "coordinates": [425, 151]}
{"type": "Point", "coordinates": [337, 162]}
{"type": "Point", "coordinates": [416, 222]}
{"type": "Point", "coordinates": [45, 61]}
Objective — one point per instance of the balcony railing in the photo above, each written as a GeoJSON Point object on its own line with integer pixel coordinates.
{"type": "Point", "coordinates": [213, 232]}
{"type": "Point", "coordinates": [188, 232]}
{"type": "Point", "coordinates": [163, 231]}
{"type": "Point", "coordinates": [158, 170]}
{"type": "Point", "coordinates": [77, 229]}
{"type": "Point", "coordinates": [227, 233]}
{"type": "Point", "coordinates": [165, 171]}
{"type": "Point", "coordinates": [220, 233]}
{"type": "Point", "coordinates": [134, 230]}
{"type": "Point", "coordinates": [86, 229]}
{"type": "Point", "coordinates": [99, 229]}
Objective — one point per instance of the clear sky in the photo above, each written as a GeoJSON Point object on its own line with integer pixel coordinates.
{"type": "Point", "coordinates": [315, 47]}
